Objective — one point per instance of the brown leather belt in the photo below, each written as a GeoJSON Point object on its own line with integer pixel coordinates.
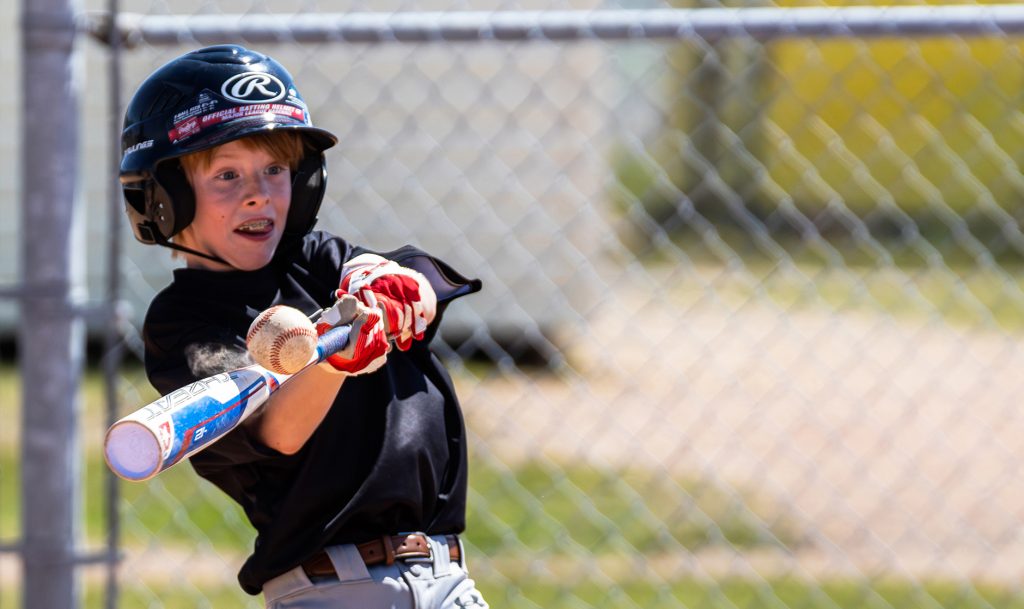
{"type": "Point", "coordinates": [385, 550]}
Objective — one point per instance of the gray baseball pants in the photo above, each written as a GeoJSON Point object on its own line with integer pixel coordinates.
{"type": "Point", "coordinates": [413, 583]}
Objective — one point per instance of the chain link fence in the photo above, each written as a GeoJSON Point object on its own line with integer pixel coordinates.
{"type": "Point", "coordinates": [749, 333]}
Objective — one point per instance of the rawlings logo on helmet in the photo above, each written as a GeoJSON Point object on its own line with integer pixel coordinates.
{"type": "Point", "coordinates": [253, 88]}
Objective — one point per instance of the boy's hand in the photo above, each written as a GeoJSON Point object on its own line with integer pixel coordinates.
{"type": "Point", "coordinates": [368, 346]}
{"type": "Point", "coordinates": [403, 295]}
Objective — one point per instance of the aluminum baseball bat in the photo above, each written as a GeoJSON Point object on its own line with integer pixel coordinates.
{"type": "Point", "coordinates": [185, 421]}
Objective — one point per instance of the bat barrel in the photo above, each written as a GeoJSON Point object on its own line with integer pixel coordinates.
{"type": "Point", "coordinates": [187, 420]}
{"type": "Point", "coordinates": [157, 436]}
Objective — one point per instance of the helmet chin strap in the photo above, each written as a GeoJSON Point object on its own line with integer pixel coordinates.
{"type": "Point", "coordinates": [161, 240]}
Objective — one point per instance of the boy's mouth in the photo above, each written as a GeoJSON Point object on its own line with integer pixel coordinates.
{"type": "Point", "coordinates": [259, 226]}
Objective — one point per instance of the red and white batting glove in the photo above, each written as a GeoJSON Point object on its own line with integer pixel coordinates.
{"type": "Point", "coordinates": [402, 294]}
{"type": "Point", "coordinates": [368, 345]}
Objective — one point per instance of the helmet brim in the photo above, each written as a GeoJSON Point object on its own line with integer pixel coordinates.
{"type": "Point", "coordinates": [134, 168]}
{"type": "Point", "coordinates": [319, 139]}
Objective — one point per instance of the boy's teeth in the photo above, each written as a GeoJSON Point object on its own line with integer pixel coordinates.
{"type": "Point", "coordinates": [256, 226]}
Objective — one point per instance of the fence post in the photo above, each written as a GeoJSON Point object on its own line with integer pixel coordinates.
{"type": "Point", "coordinates": [50, 334]}
{"type": "Point", "coordinates": [113, 340]}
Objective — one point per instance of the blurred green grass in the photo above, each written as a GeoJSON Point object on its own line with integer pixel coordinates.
{"type": "Point", "coordinates": [725, 593]}
{"type": "Point", "coordinates": [518, 515]}
{"type": "Point", "coordinates": [522, 509]}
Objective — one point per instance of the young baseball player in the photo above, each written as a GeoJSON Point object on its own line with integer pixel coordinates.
{"type": "Point", "coordinates": [354, 473]}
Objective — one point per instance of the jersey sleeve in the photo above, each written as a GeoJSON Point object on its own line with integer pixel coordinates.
{"type": "Point", "coordinates": [448, 283]}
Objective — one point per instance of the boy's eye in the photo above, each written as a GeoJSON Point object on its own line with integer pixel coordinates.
{"type": "Point", "coordinates": [227, 175]}
{"type": "Point", "coordinates": [276, 170]}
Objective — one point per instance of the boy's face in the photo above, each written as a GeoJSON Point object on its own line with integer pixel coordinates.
{"type": "Point", "coordinates": [242, 201]}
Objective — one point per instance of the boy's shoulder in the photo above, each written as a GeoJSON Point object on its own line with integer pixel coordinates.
{"type": "Point", "coordinates": [321, 249]}
{"type": "Point", "coordinates": [323, 245]}
{"type": "Point", "coordinates": [446, 281]}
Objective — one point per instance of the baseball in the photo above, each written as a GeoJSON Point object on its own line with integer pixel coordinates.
{"type": "Point", "coordinates": [281, 339]}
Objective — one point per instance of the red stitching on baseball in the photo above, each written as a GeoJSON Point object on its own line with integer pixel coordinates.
{"type": "Point", "coordinates": [280, 341]}
{"type": "Point", "coordinates": [261, 321]}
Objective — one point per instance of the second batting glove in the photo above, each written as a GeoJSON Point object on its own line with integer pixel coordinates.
{"type": "Point", "coordinates": [403, 295]}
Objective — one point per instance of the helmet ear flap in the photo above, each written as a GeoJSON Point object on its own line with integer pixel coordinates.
{"type": "Point", "coordinates": [308, 186]}
{"type": "Point", "coordinates": [135, 197]}
{"type": "Point", "coordinates": [150, 212]}
{"type": "Point", "coordinates": [171, 198]}
{"type": "Point", "coordinates": [135, 205]}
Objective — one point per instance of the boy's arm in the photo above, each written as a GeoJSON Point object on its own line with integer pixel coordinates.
{"type": "Point", "coordinates": [291, 416]}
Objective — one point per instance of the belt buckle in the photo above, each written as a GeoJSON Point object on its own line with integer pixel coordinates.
{"type": "Point", "coordinates": [418, 559]}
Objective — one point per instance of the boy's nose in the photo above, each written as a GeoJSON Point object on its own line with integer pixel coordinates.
{"type": "Point", "coordinates": [258, 191]}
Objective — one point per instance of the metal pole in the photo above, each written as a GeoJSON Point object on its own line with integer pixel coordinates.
{"type": "Point", "coordinates": [50, 332]}
{"type": "Point", "coordinates": [661, 24]}
{"type": "Point", "coordinates": [113, 352]}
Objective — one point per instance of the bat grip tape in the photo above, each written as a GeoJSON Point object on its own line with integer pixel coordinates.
{"type": "Point", "coordinates": [332, 341]}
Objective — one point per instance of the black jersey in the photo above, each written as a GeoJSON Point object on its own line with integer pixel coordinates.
{"type": "Point", "coordinates": [390, 455]}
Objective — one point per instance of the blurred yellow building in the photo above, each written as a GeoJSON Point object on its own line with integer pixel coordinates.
{"type": "Point", "coordinates": [918, 123]}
